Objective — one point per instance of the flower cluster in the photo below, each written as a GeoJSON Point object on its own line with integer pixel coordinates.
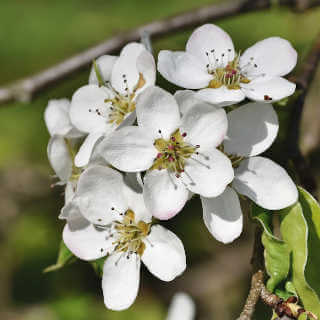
{"type": "Point", "coordinates": [129, 152]}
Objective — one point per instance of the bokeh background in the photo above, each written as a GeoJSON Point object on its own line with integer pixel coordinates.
{"type": "Point", "coordinates": [35, 34]}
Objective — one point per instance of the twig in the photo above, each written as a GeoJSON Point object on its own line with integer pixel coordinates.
{"type": "Point", "coordinates": [253, 297]}
{"type": "Point", "coordinates": [25, 89]}
{"type": "Point", "coordinates": [303, 81]}
{"type": "Point", "coordinates": [257, 263]}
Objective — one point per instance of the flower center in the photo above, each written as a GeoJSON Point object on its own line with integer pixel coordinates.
{"type": "Point", "coordinates": [235, 159]}
{"type": "Point", "coordinates": [129, 234]}
{"type": "Point", "coordinates": [173, 153]}
{"type": "Point", "coordinates": [229, 76]}
{"type": "Point", "coordinates": [121, 104]}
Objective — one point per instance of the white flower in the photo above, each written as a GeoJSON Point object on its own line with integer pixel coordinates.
{"type": "Point", "coordinates": [63, 134]}
{"type": "Point", "coordinates": [178, 154]}
{"type": "Point", "coordinates": [106, 103]}
{"type": "Point", "coordinates": [224, 77]}
{"type": "Point", "coordinates": [106, 217]}
{"type": "Point", "coordinates": [182, 307]}
{"type": "Point", "coordinates": [252, 129]}
{"type": "Point", "coordinates": [56, 116]}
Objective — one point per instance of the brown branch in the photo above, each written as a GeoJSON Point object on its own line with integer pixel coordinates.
{"type": "Point", "coordinates": [303, 81]}
{"type": "Point", "coordinates": [257, 262]}
{"type": "Point", "coordinates": [253, 297]}
{"type": "Point", "coordinates": [26, 88]}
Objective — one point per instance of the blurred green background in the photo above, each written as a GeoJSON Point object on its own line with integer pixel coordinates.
{"type": "Point", "coordinates": [35, 34]}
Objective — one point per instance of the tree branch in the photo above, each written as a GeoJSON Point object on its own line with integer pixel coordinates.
{"type": "Point", "coordinates": [25, 89]}
{"type": "Point", "coordinates": [253, 297]}
{"type": "Point", "coordinates": [257, 262]}
{"type": "Point", "coordinates": [303, 81]}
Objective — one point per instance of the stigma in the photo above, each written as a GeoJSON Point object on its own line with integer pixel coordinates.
{"type": "Point", "coordinates": [173, 153]}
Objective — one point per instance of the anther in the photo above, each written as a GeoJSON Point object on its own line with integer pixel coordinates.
{"type": "Point", "coordinates": [184, 134]}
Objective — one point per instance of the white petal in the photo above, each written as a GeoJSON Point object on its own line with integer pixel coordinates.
{"type": "Point", "coordinates": [221, 97]}
{"type": "Point", "coordinates": [56, 117]}
{"type": "Point", "coordinates": [269, 90]}
{"type": "Point", "coordinates": [207, 38]}
{"type": "Point", "coordinates": [181, 307]}
{"type": "Point", "coordinates": [147, 67]}
{"type": "Point", "coordinates": [183, 69]}
{"type": "Point", "coordinates": [99, 190]}
{"type": "Point", "coordinates": [252, 129]}
{"type": "Point", "coordinates": [136, 204]}
{"type": "Point", "coordinates": [83, 156]}
{"type": "Point", "coordinates": [164, 195]}
{"type": "Point", "coordinates": [59, 158]}
{"type": "Point", "coordinates": [208, 173]}
{"type": "Point", "coordinates": [74, 217]}
{"type": "Point", "coordinates": [157, 110]}
{"type": "Point", "coordinates": [273, 56]}
{"type": "Point", "coordinates": [164, 255]}
{"type": "Point", "coordinates": [120, 281]}
{"type": "Point", "coordinates": [86, 243]}
{"type": "Point", "coordinates": [105, 65]}
{"type": "Point", "coordinates": [126, 65]}
{"type": "Point", "coordinates": [266, 183]}
{"type": "Point", "coordinates": [83, 105]}
{"type": "Point", "coordinates": [129, 149]}
{"type": "Point", "coordinates": [186, 100]}
{"type": "Point", "coordinates": [69, 190]}
{"type": "Point", "coordinates": [205, 125]}
{"type": "Point", "coordinates": [223, 216]}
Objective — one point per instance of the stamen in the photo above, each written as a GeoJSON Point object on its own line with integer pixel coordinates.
{"type": "Point", "coordinates": [201, 163]}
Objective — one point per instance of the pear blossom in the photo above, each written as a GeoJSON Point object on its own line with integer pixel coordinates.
{"type": "Point", "coordinates": [56, 116]}
{"type": "Point", "coordinates": [252, 129]}
{"type": "Point", "coordinates": [107, 218]}
{"type": "Point", "coordinates": [109, 100]}
{"type": "Point", "coordinates": [178, 153]}
{"type": "Point", "coordinates": [182, 307]}
{"type": "Point", "coordinates": [63, 136]}
{"type": "Point", "coordinates": [224, 77]}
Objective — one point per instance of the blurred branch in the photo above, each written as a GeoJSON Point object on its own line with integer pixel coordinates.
{"type": "Point", "coordinates": [25, 89]}
{"type": "Point", "coordinates": [303, 81]}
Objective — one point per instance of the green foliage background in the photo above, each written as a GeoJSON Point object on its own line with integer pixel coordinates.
{"type": "Point", "coordinates": [35, 34]}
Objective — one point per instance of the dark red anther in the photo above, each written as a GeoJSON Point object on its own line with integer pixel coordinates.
{"type": "Point", "coordinates": [170, 147]}
{"type": "Point", "coordinates": [170, 159]}
{"type": "Point", "coordinates": [173, 138]}
{"type": "Point", "coordinates": [234, 71]}
{"type": "Point", "coordinates": [184, 134]}
{"type": "Point", "coordinates": [177, 175]}
{"type": "Point", "coordinates": [267, 98]}
{"type": "Point", "coordinates": [159, 155]}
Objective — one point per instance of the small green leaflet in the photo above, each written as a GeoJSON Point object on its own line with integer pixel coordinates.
{"type": "Point", "coordinates": [65, 257]}
{"type": "Point", "coordinates": [296, 221]}
{"type": "Point", "coordinates": [277, 254]}
{"type": "Point", "coordinates": [293, 262]}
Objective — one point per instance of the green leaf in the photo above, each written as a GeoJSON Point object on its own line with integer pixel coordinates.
{"type": "Point", "coordinates": [294, 230]}
{"type": "Point", "coordinates": [311, 212]}
{"type": "Point", "coordinates": [277, 260]}
{"type": "Point", "coordinates": [277, 254]}
{"type": "Point", "coordinates": [98, 266]}
{"type": "Point", "coordinates": [264, 217]}
{"type": "Point", "coordinates": [65, 257]}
